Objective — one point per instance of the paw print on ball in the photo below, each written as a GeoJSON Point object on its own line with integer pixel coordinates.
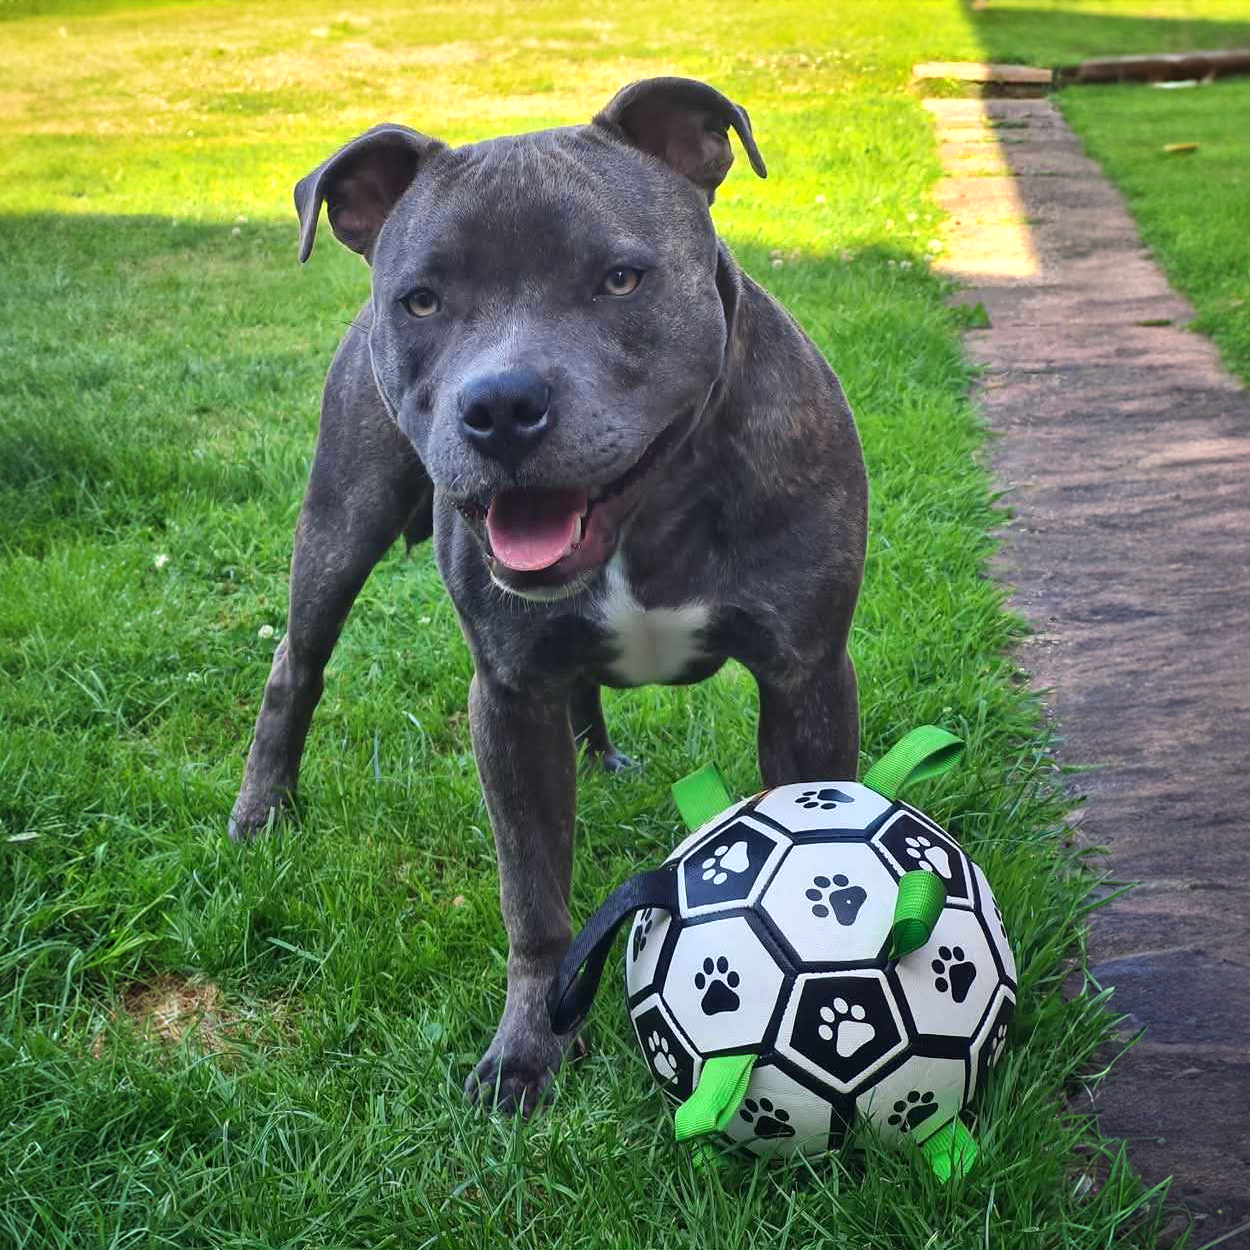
{"type": "Point", "coordinates": [910, 844]}
{"type": "Point", "coordinates": [843, 902]}
{"type": "Point", "coordinates": [826, 800]}
{"type": "Point", "coordinates": [642, 930]}
{"type": "Point", "coordinates": [724, 860]}
{"type": "Point", "coordinates": [955, 972]}
{"type": "Point", "coordinates": [728, 867]}
{"type": "Point", "coordinates": [913, 1110]}
{"type": "Point", "coordinates": [718, 981]}
{"type": "Point", "coordinates": [766, 1119]}
{"type": "Point", "coordinates": [845, 1025]}
{"type": "Point", "coordinates": [927, 856]}
{"type": "Point", "coordinates": [841, 1027]}
{"type": "Point", "coordinates": [998, 1040]}
{"type": "Point", "coordinates": [989, 1045]}
{"type": "Point", "coordinates": [675, 1067]}
{"type": "Point", "coordinates": [661, 1057]}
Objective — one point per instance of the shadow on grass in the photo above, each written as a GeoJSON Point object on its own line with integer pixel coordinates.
{"type": "Point", "coordinates": [1064, 34]}
{"type": "Point", "coordinates": [147, 361]}
{"type": "Point", "coordinates": [152, 366]}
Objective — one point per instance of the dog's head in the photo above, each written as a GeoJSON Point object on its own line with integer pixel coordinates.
{"type": "Point", "coordinates": [548, 315]}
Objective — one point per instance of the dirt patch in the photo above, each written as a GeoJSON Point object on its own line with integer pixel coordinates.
{"type": "Point", "coordinates": [168, 1009]}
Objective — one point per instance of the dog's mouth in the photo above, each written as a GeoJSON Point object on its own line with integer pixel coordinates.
{"type": "Point", "coordinates": [542, 538]}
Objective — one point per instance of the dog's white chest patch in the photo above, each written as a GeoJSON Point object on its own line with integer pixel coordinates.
{"type": "Point", "coordinates": [653, 645]}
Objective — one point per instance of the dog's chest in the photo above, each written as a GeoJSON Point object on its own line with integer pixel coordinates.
{"type": "Point", "coordinates": [648, 644]}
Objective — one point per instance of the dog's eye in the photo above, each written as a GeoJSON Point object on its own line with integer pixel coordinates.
{"type": "Point", "coordinates": [621, 281]}
{"type": "Point", "coordinates": [421, 303]}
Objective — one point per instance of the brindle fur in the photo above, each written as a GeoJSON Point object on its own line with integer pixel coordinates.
{"type": "Point", "coordinates": [758, 512]}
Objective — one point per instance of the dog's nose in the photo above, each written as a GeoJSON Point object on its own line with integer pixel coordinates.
{"type": "Point", "coordinates": [505, 415]}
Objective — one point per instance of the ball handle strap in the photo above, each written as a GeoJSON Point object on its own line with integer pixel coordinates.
{"type": "Point", "coordinates": [917, 907]}
{"type": "Point", "coordinates": [924, 752]}
{"type": "Point", "coordinates": [700, 796]}
{"type": "Point", "coordinates": [951, 1151]}
{"type": "Point", "coordinates": [581, 969]}
{"type": "Point", "coordinates": [722, 1087]}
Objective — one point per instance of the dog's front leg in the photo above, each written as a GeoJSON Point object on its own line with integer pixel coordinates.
{"type": "Point", "coordinates": [809, 723]}
{"type": "Point", "coordinates": [526, 760]}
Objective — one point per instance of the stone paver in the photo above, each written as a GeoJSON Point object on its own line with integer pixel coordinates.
{"type": "Point", "coordinates": [1127, 460]}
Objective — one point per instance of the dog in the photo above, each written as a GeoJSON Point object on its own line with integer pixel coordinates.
{"type": "Point", "coordinates": [633, 463]}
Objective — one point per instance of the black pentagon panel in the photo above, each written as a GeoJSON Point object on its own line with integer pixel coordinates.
{"type": "Point", "coordinates": [910, 841]}
{"type": "Point", "coordinates": [842, 1027]}
{"type": "Point", "coordinates": [992, 921]}
{"type": "Point", "coordinates": [988, 1046]}
{"type": "Point", "coordinates": [670, 1057]}
{"type": "Point", "coordinates": [706, 830]}
{"type": "Point", "coordinates": [728, 868]}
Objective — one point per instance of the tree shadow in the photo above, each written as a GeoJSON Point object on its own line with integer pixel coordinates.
{"type": "Point", "coordinates": [1064, 34]}
{"type": "Point", "coordinates": [148, 361]}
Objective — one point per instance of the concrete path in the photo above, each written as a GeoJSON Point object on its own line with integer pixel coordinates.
{"type": "Point", "coordinates": [1127, 459]}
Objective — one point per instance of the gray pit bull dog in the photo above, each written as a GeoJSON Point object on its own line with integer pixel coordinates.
{"type": "Point", "coordinates": [633, 463]}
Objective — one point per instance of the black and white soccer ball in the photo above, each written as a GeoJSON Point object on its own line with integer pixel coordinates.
{"type": "Point", "coordinates": [780, 947]}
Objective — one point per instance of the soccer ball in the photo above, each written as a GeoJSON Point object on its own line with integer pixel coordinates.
{"type": "Point", "coordinates": [780, 947]}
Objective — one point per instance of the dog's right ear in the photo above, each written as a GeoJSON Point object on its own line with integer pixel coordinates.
{"type": "Point", "coordinates": [359, 185]}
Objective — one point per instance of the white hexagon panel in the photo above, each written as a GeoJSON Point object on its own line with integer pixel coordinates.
{"type": "Point", "coordinates": [780, 1116]}
{"type": "Point", "coordinates": [991, 1041]}
{"type": "Point", "coordinates": [672, 1060]}
{"type": "Point", "coordinates": [842, 1026]}
{"type": "Point", "coordinates": [704, 830]}
{"type": "Point", "coordinates": [917, 1098]}
{"type": "Point", "coordinates": [823, 807]}
{"type": "Point", "coordinates": [729, 867]}
{"type": "Point", "coordinates": [722, 985]}
{"type": "Point", "coordinates": [993, 919]}
{"type": "Point", "coordinates": [832, 901]}
{"type": "Point", "coordinates": [948, 983]}
{"type": "Point", "coordinates": [642, 953]}
{"type": "Point", "coordinates": [909, 840]}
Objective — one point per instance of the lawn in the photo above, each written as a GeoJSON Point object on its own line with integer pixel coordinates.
{"type": "Point", "coordinates": [161, 355]}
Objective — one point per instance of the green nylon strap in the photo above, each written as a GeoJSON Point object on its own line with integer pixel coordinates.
{"type": "Point", "coordinates": [924, 752]}
{"type": "Point", "coordinates": [921, 897]}
{"type": "Point", "coordinates": [951, 1151]}
{"type": "Point", "coordinates": [700, 796]}
{"type": "Point", "coordinates": [721, 1089]}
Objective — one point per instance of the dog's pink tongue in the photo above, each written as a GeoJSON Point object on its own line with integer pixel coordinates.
{"type": "Point", "coordinates": [532, 529]}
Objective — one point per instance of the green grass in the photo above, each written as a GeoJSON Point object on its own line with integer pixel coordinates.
{"type": "Point", "coordinates": [1191, 209]}
{"type": "Point", "coordinates": [161, 356]}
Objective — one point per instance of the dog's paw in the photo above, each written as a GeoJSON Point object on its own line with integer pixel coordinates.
{"type": "Point", "coordinates": [608, 760]}
{"type": "Point", "coordinates": [249, 820]}
{"type": "Point", "coordinates": [614, 761]}
{"type": "Point", "coordinates": [508, 1083]}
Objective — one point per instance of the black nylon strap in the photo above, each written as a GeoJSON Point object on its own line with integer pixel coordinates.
{"type": "Point", "coordinates": [582, 967]}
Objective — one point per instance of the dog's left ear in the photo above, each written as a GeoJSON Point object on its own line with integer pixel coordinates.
{"type": "Point", "coordinates": [686, 124]}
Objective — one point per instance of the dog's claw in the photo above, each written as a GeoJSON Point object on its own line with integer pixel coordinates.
{"type": "Point", "coordinates": [245, 827]}
{"type": "Point", "coordinates": [614, 761]}
{"type": "Point", "coordinates": [508, 1087]}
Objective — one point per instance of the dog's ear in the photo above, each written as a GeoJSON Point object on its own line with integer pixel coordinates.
{"type": "Point", "coordinates": [686, 124]}
{"type": "Point", "coordinates": [359, 185]}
